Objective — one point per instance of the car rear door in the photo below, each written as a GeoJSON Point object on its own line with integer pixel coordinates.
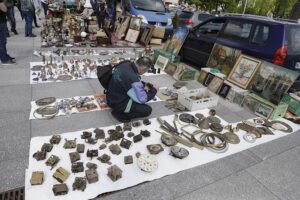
{"type": "Point", "coordinates": [200, 41]}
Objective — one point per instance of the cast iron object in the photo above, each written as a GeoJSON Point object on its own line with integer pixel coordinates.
{"type": "Point", "coordinates": [86, 135]}
{"type": "Point", "coordinates": [136, 124]}
{"type": "Point", "coordinates": [155, 148]}
{"type": "Point", "coordinates": [91, 141]}
{"type": "Point", "coordinates": [119, 128]}
{"type": "Point", "coordinates": [125, 143]}
{"type": "Point", "coordinates": [55, 139]}
{"type": "Point", "coordinates": [52, 161]}
{"type": "Point", "coordinates": [212, 112]}
{"type": "Point", "coordinates": [217, 127]}
{"type": "Point", "coordinates": [179, 152]}
{"type": "Point", "coordinates": [146, 122]}
{"type": "Point", "coordinates": [61, 175]}
{"type": "Point", "coordinates": [37, 178]}
{"type": "Point", "coordinates": [116, 135]}
{"type": "Point", "coordinates": [187, 118]}
{"type": "Point", "coordinates": [115, 149]}
{"type": "Point", "coordinates": [91, 175]}
{"type": "Point", "coordinates": [199, 116]}
{"type": "Point", "coordinates": [90, 165]}
{"type": "Point", "coordinates": [231, 138]}
{"type": "Point", "coordinates": [145, 133]}
{"type": "Point", "coordinates": [45, 101]}
{"type": "Point", "coordinates": [128, 160]}
{"type": "Point", "coordinates": [114, 173]}
{"type": "Point", "coordinates": [99, 133]}
{"type": "Point", "coordinates": [80, 148]}
{"type": "Point", "coordinates": [104, 159]}
{"type": "Point", "coordinates": [60, 189]}
{"type": "Point", "coordinates": [102, 146]}
{"type": "Point", "coordinates": [130, 134]}
{"type": "Point", "coordinates": [40, 155]}
{"type": "Point", "coordinates": [92, 153]}
{"type": "Point", "coordinates": [47, 147]}
{"type": "Point", "coordinates": [77, 167]}
{"type": "Point", "coordinates": [137, 138]}
{"type": "Point", "coordinates": [127, 127]}
{"type": "Point", "coordinates": [70, 144]}
{"type": "Point", "coordinates": [203, 123]}
{"type": "Point", "coordinates": [168, 140]}
{"type": "Point", "coordinates": [74, 156]}
{"type": "Point", "coordinates": [213, 119]}
{"type": "Point", "coordinates": [79, 184]}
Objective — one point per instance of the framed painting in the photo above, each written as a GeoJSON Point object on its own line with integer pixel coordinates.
{"type": "Point", "coordinates": [132, 35]}
{"type": "Point", "coordinates": [161, 62]}
{"type": "Point", "coordinates": [135, 23]}
{"type": "Point", "coordinates": [171, 68]}
{"type": "Point", "coordinates": [264, 111]}
{"type": "Point", "coordinates": [215, 84]}
{"type": "Point", "coordinates": [122, 28]}
{"type": "Point", "coordinates": [177, 40]}
{"type": "Point", "coordinates": [244, 71]}
{"type": "Point", "coordinates": [208, 79]}
{"type": "Point", "coordinates": [224, 90]}
{"type": "Point", "coordinates": [147, 35]}
{"type": "Point", "coordinates": [250, 104]}
{"type": "Point", "coordinates": [223, 58]}
{"type": "Point", "coordinates": [202, 76]}
{"type": "Point", "coordinates": [272, 81]}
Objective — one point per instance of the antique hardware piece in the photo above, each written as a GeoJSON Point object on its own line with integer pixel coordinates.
{"type": "Point", "coordinates": [146, 122]}
{"type": "Point", "coordinates": [249, 128]}
{"type": "Point", "coordinates": [217, 127]}
{"type": "Point", "coordinates": [74, 156]}
{"type": "Point", "coordinates": [128, 160]}
{"type": "Point", "coordinates": [86, 135]}
{"type": "Point", "coordinates": [99, 133]}
{"type": "Point", "coordinates": [130, 134]}
{"type": "Point", "coordinates": [52, 161]}
{"type": "Point", "coordinates": [37, 178]}
{"type": "Point", "coordinates": [77, 167]}
{"type": "Point", "coordinates": [80, 148]}
{"type": "Point", "coordinates": [147, 163]}
{"type": "Point", "coordinates": [137, 138]}
{"type": "Point", "coordinates": [60, 189]}
{"type": "Point", "coordinates": [199, 116]}
{"type": "Point", "coordinates": [55, 139]}
{"type": "Point", "coordinates": [279, 126]}
{"type": "Point", "coordinates": [203, 123]}
{"type": "Point", "coordinates": [179, 152]}
{"type": "Point", "coordinates": [102, 146]}
{"type": "Point", "coordinates": [155, 148]}
{"type": "Point", "coordinates": [45, 101]}
{"type": "Point", "coordinates": [136, 124]}
{"type": "Point", "coordinates": [40, 155]}
{"type": "Point", "coordinates": [91, 175]}
{"type": "Point", "coordinates": [187, 118]}
{"type": "Point", "coordinates": [145, 133]}
{"type": "Point", "coordinates": [47, 112]}
{"type": "Point", "coordinates": [115, 149]}
{"type": "Point", "coordinates": [168, 140]}
{"type": "Point", "coordinates": [125, 143]}
{"type": "Point", "coordinates": [61, 175]}
{"type": "Point", "coordinates": [114, 173]}
{"type": "Point", "coordinates": [70, 144]}
{"type": "Point", "coordinates": [92, 153]}
{"type": "Point", "coordinates": [209, 141]}
{"type": "Point", "coordinates": [104, 159]}
{"type": "Point", "coordinates": [212, 112]}
{"type": "Point", "coordinates": [115, 135]}
{"type": "Point", "coordinates": [231, 138]}
{"type": "Point", "coordinates": [47, 147]}
{"type": "Point", "coordinates": [91, 141]}
{"type": "Point", "coordinates": [119, 128]}
{"type": "Point", "coordinates": [213, 119]}
{"type": "Point", "coordinates": [127, 127]}
{"type": "Point", "coordinates": [79, 183]}
{"type": "Point", "coordinates": [90, 165]}
{"type": "Point", "coordinates": [249, 137]}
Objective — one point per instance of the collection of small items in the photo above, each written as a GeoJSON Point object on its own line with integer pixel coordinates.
{"type": "Point", "coordinates": [188, 130]}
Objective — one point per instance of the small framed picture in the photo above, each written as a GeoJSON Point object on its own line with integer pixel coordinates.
{"type": "Point", "coordinates": [224, 90]}
{"type": "Point", "coordinates": [171, 68]}
{"type": "Point", "coordinates": [147, 35]}
{"type": "Point", "coordinates": [208, 79]}
{"type": "Point", "coordinates": [250, 104]}
{"type": "Point", "coordinates": [202, 76]}
{"type": "Point", "coordinates": [264, 111]}
{"type": "Point", "coordinates": [244, 70]}
{"type": "Point", "coordinates": [132, 35]}
{"type": "Point", "coordinates": [161, 62]}
{"type": "Point", "coordinates": [135, 23]}
{"type": "Point", "coordinates": [215, 84]}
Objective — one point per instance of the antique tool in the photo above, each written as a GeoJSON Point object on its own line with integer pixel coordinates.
{"type": "Point", "coordinates": [179, 152]}
{"type": "Point", "coordinates": [60, 189]}
{"type": "Point", "coordinates": [114, 173]}
{"type": "Point", "coordinates": [45, 101]}
{"type": "Point", "coordinates": [168, 140]}
{"type": "Point", "coordinates": [52, 161]}
{"type": "Point", "coordinates": [231, 138]}
{"type": "Point", "coordinates": [147, 163]}
{"type": "Point", "coordinates": [178, 139]}
{"type": "Point", "coordinates": [61, 175]}
{"type": "Point", "coordinates": [279, 126]}
{"type": "Point", "coordinates": [167, 126]}
{"type": "Point", "coordinates": [79, 184]}
{"type": "Point", "coordinates": [155, 148]}
{"type": "Point", "coordinates": [47, 112]}
{"type": "Point", "coordinates": [77, 167]}
{"type": "Point", "coordinates": [37, 178]}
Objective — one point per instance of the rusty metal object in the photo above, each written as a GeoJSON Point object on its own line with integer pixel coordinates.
{"type": "Point", "coordinates": [79, 184]}
{"type": "Point", "coordinates": [115, 149]}
{"type": "Point", "coordinates": [128, 160]}
{"type": "Point", "coordinates": [55, 139]}
{"type": "Point", "coordinates": [137, 138]}
{"type": "Point", "coordinates": [99, 133]}
{"type": "Point", "coordinates": [70, 144]}
{"type": "Point", "coordinates": [40, 155]}
{"type": "Point", "coordinates": [104, 159]}
{"type": "Point", "coordinates": [52, 161]}
{"type": "Point", "coordinates": [77, 167]}
{"type": "Point", "coordinates": [86, 135]}
{"type": "Point", "coordinates": [125, 143]}
{"type": "Point", "coordinates": [179, 152]}
{"type": "Point", "coordinates": [92, 153]}
{"type": "Point", "coordinates": [37, 178]}
{"type": "Point", "coordinates": [47, 147]}
{"type": "Point", "coordinates": [91, 175]}
{"type": "Point", "coordinates": [61, 175]}
{"type": "Point", "coordinates": [155, 148]}
{"type": "Point", "coordinates": [145, 133]}
{"type": "Point", "coordinates": [74, 156]}
{"type": "Point", "coordinates": [114, 173]}
{"type": "Point", "coordinates": [60, 189]}
{"type": "Point", "coordinates": [80, 148]}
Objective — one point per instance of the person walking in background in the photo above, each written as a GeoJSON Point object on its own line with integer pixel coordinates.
{"type": "Point", "coordinates": [4, 57]}
{"type": "Point", "coordinates": [36, 6]}
{"type": "Point", "coordinates": [11, 16]}
{"type": "Point", "coordinates": [28, 12]}
{"type": "Point", "coordinates": [45, 6]}
{"type": "Point", "coordinates": [18, 5]}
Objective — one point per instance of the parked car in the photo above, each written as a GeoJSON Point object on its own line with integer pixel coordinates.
{"type": "Point", "coordinates": [151, 11]}
{"type": "Point", "coordinates": [272, 40]}
{"type": "Point", "coordinates": [191, 19]}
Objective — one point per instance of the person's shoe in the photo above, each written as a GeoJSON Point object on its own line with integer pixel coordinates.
{"type": "Point", "coordinates": [7, 35]}
{"type": "Point", "coordinates": [37, 26]}
{"type": "Point", "coordinates": [15, 32]}
{"type": "Point", "coordinates": [12, 58]}
{"type": "Point", "coordinates": [26, 35]}
{"type": "Point", "coordinates": [9, 62]}
{"type": "Point", "coordinates": [115, 115]}
{"type": "Point", "coordinates": [31, 35]}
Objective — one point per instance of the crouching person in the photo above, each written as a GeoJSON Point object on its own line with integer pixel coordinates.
{"type": "Point", "coordinates": [127, 94]}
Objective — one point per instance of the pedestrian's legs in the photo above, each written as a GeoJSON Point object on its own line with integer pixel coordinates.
{"type": "Point", "coordinates": [3, 51]}
{"type": "Point", "coordinates": [34, 19]}
{"type": "Point", "coordinates": [11, 17]}
{"type": "Point", "coordinates": [28, 22]}
{"type": "Point", "coordinates": [45, 7]}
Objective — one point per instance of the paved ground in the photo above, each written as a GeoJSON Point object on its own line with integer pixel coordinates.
{"type": "Point", "coordinates": [269, 171]}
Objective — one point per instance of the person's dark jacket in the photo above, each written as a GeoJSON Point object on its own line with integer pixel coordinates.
{"type": "Point", "coordinates": [126, 87]}
{"type": "Point", "coordinates": [27, 5]}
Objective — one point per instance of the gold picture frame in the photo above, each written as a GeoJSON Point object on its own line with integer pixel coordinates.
{"type": "Point", "coordinates": [244, 70]}
{"type": "Point", "coordinates": [135, 23]}
{"type": "Point", "coordinates": [147, 35]}
{"type": "Point", "coordinates": [132, 35]}
{"type": "Point", "coordinates": [171, 68]}
{"type": "Point", "coordinates": [215, 84]}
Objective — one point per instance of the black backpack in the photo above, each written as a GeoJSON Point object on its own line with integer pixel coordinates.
{"type": "Point", "coordinates": [104, 74]}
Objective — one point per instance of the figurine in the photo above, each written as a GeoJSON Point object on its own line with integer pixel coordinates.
{"type": "Point", "coordinates": [145, 133]}
{"type": "Point", "coordinates": [47, 147]}
{"type": "Point", "coordinates": [92, 153]}
{"type": "Point", "coordinates": [104, 159]}
{"type": "Point", "coordinates": [40, 155]}
{"type": "Point", "coordinates": [125, 143]}
{"type": "Point", "coordinates": [99, 133]}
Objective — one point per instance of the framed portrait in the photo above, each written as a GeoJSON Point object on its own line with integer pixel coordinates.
{"type": "Point", "coordinates": [244, 71]}
{"type": "Point", "coordinates": [272, 81]}
{"type": "Point", "coordinates": [147, 35]}
{"type": "Point", "coordinates": [224, 90]}
{"type": "Point", "coordinates": [264, 111]}
{"type": "Point", "coordinates": [161, 62]}
{"type": "Point", "coordinates": [223, 58]}
{"type": "Point", "coordinates": [202, 76]}
{"type": "Point", "coordinates": [208, 79]}
{"type": "Point", "coordinates": [177, 40]}
{"type": "Point", "coordinates": [132, 35]}
{"type": "Point", "coordinates": [171, 68]}
{"type": "Point", "coordinates": [215, 84]}
{"type": "Point", "coordinates": [250, 104]}
{"type": "Point", "coordinates": [135, 23]}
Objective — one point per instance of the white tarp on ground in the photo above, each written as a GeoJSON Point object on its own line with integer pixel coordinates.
{"type": "Point", "coordinates": [34, 106]}
{"type": "Point", "coordinates": [132, 175]}
{"type": "Point", "coordinates": [90, 75]}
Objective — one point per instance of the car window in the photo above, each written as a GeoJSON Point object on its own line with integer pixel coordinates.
{"type": "Point", "coordinates": [212, 27]}
{"type": "Point", "coordinates": [294, 39]}
{"type": "Point", "coordinates": [203, 17]}
{"type": "Point", "coordinates": [238, 30]}
{"type": "Point", "coordinates": [185, 15]}
{"type": "Point", "coordinates": [261, 34]}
